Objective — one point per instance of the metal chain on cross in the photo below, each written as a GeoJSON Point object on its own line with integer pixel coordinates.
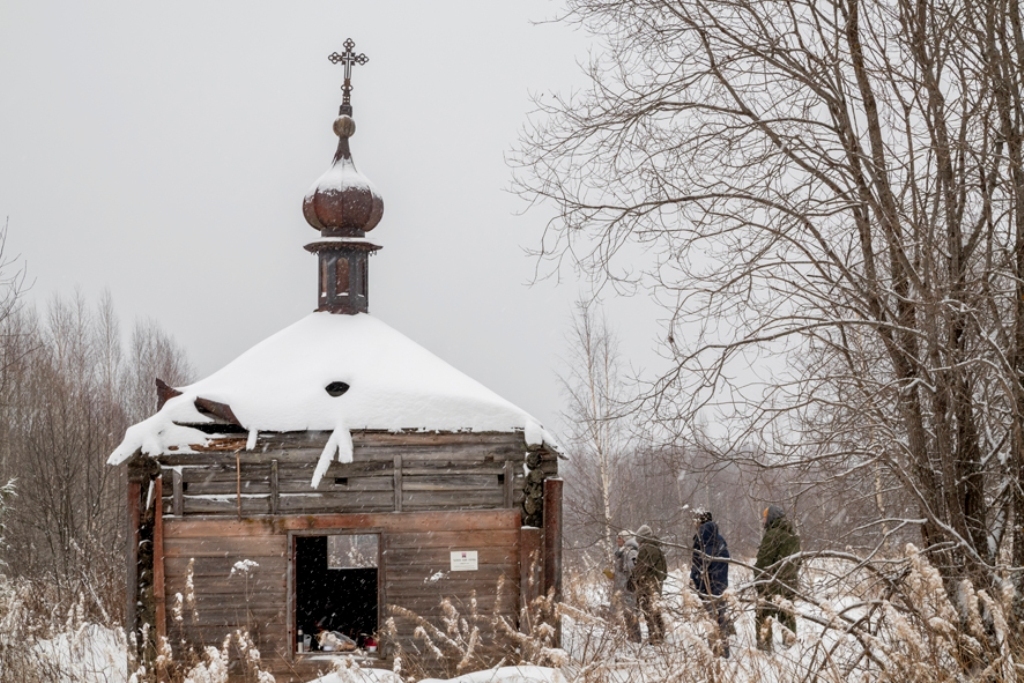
{"type": "Point", "coordinates": [348, 58]}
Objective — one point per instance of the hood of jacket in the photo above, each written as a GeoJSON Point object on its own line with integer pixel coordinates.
{"type": "Point", "coordinates": [706, 534]}
{"type": "Point", "coordinates": [775, 515]}
{"type": "Point", "coordinates": [629, 545]}
{"type": "Point", "coordinates": [649, 540]}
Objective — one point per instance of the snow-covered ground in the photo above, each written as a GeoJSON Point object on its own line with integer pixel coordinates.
{"type": "Point", "coordinates": [852, 628]}
{"type": "Point", "coordinates": [91, 653]}
{"type": "Point", "coordinates": [504, 674]}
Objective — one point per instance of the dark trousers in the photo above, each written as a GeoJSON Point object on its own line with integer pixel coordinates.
{"type": "Point", "coordinates": [624, 608]}
{"type": "Point", "coordinates": [718, 641]}
{"type": "Point", "coordinates": [648, 599]}
{"type": "Point", "coordinates": [764, 627]}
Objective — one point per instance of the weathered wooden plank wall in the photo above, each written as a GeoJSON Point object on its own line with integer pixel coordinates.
{"type": "Point", "coordinates": [416, 565]}
{"type": "Point", "coordinates": [202, 556]}
{"type": "Point", "coordinates": [391, 472]}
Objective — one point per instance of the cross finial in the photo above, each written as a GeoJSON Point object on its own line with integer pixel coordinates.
{"type": "Point", "coordinates": [348, 58]}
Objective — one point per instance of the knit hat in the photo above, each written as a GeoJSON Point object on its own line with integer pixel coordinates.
{"type": "Point", "coordinates": [701, 515]}
{"type": "Point", "coordinates": [773, 513]}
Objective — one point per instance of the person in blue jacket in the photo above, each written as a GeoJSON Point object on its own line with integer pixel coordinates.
{"type": "Point", "coordinates": [709, 573]}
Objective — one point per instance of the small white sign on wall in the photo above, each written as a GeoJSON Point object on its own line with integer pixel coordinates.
{"type": "Point", "coordinates": [464, 561]}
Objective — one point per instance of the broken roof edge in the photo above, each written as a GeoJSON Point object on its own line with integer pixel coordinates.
{"type": "Point", "coordinates": [175, 428]}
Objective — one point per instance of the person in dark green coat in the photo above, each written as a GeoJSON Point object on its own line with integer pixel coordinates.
{"type": "Point", "coordinates": [775, 574]}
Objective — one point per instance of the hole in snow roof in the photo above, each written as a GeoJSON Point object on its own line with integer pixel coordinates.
{"type": "Point", "coordinates": [336, 388]}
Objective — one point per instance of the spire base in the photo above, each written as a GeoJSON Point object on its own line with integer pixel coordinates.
{"type": "Point", "coordinates": [344, 274]}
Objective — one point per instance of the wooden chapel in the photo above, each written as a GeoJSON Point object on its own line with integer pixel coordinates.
{"type": "Point", "coordinates": [334, 477]}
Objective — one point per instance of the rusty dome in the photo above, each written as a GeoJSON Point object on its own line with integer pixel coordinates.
{"type": "Point", "coordinates": [343, 202]}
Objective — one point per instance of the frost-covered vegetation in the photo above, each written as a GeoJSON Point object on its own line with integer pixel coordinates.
{"type": "Point", "coordinates": [887, 620]}
{"type": "Point", "coordinates": [70, 384]}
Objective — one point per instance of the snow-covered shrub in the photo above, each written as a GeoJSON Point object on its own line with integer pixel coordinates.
{"type": "Point", "coordinates": [45, 639]}
{"type": "Point", "coordinates": [179, 662]}
{"type": "Point", "coordinates": [7, 491]}
{"type": "Point", "coordinates": [858, 621]}
{"type": "Point", "coordinates": [472, 640]}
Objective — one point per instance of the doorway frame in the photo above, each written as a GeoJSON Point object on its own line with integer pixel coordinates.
{"type": "Point", "coordinates": [291, 587]}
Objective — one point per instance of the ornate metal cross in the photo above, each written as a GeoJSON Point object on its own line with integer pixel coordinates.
{"type": "Point", "coordinates": [348, 58]}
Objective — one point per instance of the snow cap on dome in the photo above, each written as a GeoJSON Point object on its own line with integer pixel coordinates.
{"type": "Point", "coordinates": [343, 202]}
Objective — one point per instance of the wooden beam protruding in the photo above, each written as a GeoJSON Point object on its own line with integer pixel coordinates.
{"type": "Point", "coordinates": [398, 483]}
{"type": "Point", "coordinates": [164, 392]}
{"type": "Point", "coordinates": [553, 546]}
{"type": "Point", "coordinates": [509, 483]}
{"type": "Point", "coordinates": [158, 561]}
{"type": "Point", "coordinates": [530, 572]}
{"type": "Point", "coordinates": [178, 491]}
{"type": "Point", "coordinates": [275, 488]}
{"type": "Point", "coordinates": [134, 521]}
{"type": "Point", "coordinates": [216, 409]}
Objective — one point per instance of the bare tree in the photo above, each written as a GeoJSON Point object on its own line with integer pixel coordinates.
{"type": "Point", "coordinates": [598, 431]}
{"type": "Point", "coordinates": [12, 278]}
{"type": "Point", "coordinates": [153, 354]}
{"type": "Point", "coordinates": [69, 395]}
{"type": "Point", "coordinates": [828, 197]}
{"type": "Point", "coordinates": [12, 282]}
{"type": "Point", "coordinates": [615, 477]}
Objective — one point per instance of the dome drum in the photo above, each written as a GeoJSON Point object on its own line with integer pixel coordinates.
{"type": "Point", "coordinates": [343, 281]}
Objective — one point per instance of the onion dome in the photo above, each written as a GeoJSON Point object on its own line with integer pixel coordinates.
{"type": "Point", "coordinates": [343, 205]}
{"type": "Point", "coordinates": [343, 202]}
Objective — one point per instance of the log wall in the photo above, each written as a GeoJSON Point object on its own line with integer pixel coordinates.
{"type": "Point", "coordinates": [405, 472]}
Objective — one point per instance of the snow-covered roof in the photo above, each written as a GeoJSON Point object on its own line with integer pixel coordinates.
{"type": "Point", "coordinates": [280, 385]}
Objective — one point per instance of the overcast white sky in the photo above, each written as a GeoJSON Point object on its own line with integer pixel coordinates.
{"type": "Point", "coordinates": [162, 150]}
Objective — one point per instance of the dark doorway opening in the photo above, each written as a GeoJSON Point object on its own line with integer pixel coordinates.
{"type": "Point", "coordinates": [336, 585]}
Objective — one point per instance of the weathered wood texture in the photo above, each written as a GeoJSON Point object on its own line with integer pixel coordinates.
{"type": "Point", "coordinates": [427, 494]}
{"type": "Point", "coordinates": [404, 472]}
{"type": "Point", "coordinates": [416, 569]}
{"type": "Point", "coordinates": [531, 565]}
{"type": "Point", "coordinates": [553, 545]}
{"type": "Point", "coordinates": [142, 505]}
{"type": "Point", "coordinates": [134, 514]}
{"type": "Point", "coordinates": [158, 563]}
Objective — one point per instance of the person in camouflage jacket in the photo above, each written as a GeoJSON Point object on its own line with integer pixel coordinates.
{"type": "Point", "coordinates": [646, 580]}
{"type": "Point", "coordinates": [775, 574]}
{"type": "Point", "coordinates": [623, 600]}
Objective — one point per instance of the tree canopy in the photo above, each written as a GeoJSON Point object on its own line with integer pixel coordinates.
{"type": "Point", "coordinates": [827, 197]}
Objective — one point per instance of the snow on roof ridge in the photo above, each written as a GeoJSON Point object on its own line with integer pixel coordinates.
{"type": "Point", "coordinates": [279, 385]}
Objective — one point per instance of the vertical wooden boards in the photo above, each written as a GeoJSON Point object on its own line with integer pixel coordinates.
{"type": "Point", "coordinates": [134, 521]}
{"type": "Point", "coordinates": [553, 536]}
{"type": "Point", "coordinates": [398, 483]}
{"type": "Point", "coordinates": [178, 504]}
{"type": "Point", "coordinates": [531, 565]}
{"type": "Point", "coordinates": [275, 487]}
{"type": "Point", "coordinates": [290, 601]}
{"type": "Point", "coordinates": [553, 543]}
{"type": "Point", "coordinates": [509, 481]}
{"type": "Point", "coordinates": [158, 561]}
